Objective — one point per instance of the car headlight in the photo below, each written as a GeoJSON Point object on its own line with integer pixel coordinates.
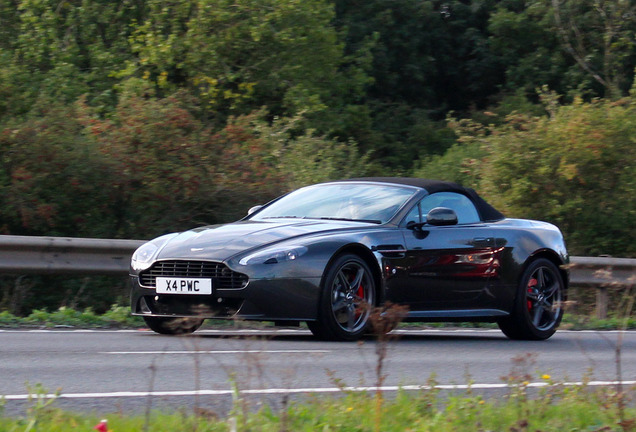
{"type": "Point", "coordinates": [144, 255]}
{"type": "Point", "coordinates": [274, 255]}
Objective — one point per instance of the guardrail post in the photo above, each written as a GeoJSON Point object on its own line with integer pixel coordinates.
{"type": "Point", "coordinates": [601, 302]}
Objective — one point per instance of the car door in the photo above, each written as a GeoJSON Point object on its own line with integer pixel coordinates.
{"type": "Point", "coordinates": [444, 267]}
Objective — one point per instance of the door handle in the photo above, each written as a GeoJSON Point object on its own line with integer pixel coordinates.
{"type": "Point", "coordinates": [483, 241]}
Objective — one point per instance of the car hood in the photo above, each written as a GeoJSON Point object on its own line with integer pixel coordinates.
{"type": "Point", "coordinates": [221, 242]}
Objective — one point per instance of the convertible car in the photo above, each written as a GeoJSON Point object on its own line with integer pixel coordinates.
{"type": "Point", "coordinates": [326, 254]}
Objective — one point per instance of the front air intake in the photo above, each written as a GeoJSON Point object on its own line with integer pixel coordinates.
{"type": "Point", "coordinates": [221, 275]}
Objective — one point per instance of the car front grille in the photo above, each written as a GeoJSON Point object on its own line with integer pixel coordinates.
{"type": "Point", "coordinates": [221, 275]}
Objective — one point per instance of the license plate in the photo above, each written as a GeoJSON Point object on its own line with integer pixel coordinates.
{"type": "Point", "coordinates": [175, 285]}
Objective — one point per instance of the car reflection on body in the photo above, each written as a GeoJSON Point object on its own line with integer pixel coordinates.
{"type": "Point", "coordinates": [323, 253]}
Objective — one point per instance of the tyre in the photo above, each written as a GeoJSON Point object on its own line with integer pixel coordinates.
{"type": "Point", "coordinates": [348, 294]}
{"type": "Point", "coordinates": [538, 307]}
{"type": "Point", "coordinates": [173, 326]}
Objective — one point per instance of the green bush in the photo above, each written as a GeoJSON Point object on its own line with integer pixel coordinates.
{"type": "Point", "coordinates": [573, 167]}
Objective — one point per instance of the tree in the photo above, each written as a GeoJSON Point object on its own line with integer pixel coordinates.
{"type": "Point", "coordinates": [523, 38]}
{"type": "Point", "coordinates": [62, 50]}
{"type": "Point", "coordinates": [576, 48]}
{"type": "Point", "coordinates": [428, 57]}
{"type": "Point", "coordinates": [237, 56]}
{"type": "Point", "coordinates": [599, 35]}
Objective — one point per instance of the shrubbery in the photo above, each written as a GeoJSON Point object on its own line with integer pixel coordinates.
{"type": "Point", "coordinates": [574, 167]}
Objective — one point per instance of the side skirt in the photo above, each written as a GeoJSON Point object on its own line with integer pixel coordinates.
{"type": "Point", "coordinates": [456, 315]}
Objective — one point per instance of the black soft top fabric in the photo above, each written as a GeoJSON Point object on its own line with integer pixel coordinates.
{"type": "Point", "coordinates": [487, 212]}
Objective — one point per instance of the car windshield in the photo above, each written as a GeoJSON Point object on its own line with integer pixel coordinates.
{"type": "Point", "coordinates": [340, 201]}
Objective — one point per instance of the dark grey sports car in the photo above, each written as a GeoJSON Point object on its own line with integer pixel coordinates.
{"type": "Point", "coordinates": [324, 253]}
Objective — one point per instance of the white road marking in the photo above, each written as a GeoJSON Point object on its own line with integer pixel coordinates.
{"type": "Point", "coordinates": [229, 331]}
{"type": "Point", "coordinates": [289, 351]}
{"type": "Point", "coordinates": [310, 390]}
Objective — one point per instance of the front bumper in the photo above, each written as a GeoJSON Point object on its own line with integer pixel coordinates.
{"type": "Point", "coordinates": [261, 299]}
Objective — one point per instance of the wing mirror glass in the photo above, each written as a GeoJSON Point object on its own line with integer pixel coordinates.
{"type": "Point", "coordinates": [441, 216]}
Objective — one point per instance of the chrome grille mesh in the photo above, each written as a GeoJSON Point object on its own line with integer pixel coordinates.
{"type": "Point", "coordinates": [222, 277]}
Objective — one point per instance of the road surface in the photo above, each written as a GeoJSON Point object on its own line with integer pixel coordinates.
{"type": "Point", "coordinates": [104, 370]}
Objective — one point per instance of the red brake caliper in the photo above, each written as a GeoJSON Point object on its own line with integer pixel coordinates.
{"type": "Point", "coordinates": [360, 294]}
{"type": "Point", "coordinates": [531, 284]}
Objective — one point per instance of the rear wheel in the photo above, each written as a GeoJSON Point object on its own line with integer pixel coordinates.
{"type": "Point", "coordinates": [173, 326]}
{"type": "Point", "coordinates": [348, 294]}
{"type": "Point", "coordinates": [538, 305]}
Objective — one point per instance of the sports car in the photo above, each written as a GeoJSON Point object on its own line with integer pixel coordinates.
{"type": "Point", "coordinates": [328, 254]}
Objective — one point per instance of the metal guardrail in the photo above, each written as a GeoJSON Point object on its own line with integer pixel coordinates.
{"type": "Point", "coordinates": [65, 255]}
{"type": "Point", "coordinates": [594, 271]}
{"type": "Point", "coordinates": [602, 273]}
{"type": "Point", "coordinates": [83, 256]}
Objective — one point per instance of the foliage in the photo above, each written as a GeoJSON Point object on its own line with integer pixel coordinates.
{"type": "Point", "coordinates": [573, 168]}
{"type": "Point", "coordinates": [460, 163]}
{"type": "Point", "coordinates": [48, 174]}
{"type": "Point", "coordinates": [570, 169]}
{"type": "Point", "coordinates": [599, 36]}
{"type": "Point", "coordinates": [117, 316]}
{"type": "Point", "coordinates": [523, 37]}
{"type": "Point", "coordinates": [63, 316]}
{"type": "Point", "coordinates": [151, 166]}
{"type": "Point", "coordinates": [171, 170]}
{"type": "Point", "coordinates": [427, 57]}
{"type": "Point", "coordinates": [576, 47]}
{"type": "Point", "coordinates": [234, 56]}
{"type": "Point", "coordinates": [583, 322]}
{"type": "Point", "coordinates": [163, 163]}
{"type": "Point", "coordinates": [120, 316]}
{"type": "Point", "coordinates": [22, 294]}
{"type": "Point", "coordinates": [239, 55]}
{"type": "Point", "coordinates": [7, 319]}
{"type": "Point", "coordinates": [308, 157]}
{"type": "Point", "coordinates": [426, 54]}
{"type": "Point", "coordinates": [62, 50]}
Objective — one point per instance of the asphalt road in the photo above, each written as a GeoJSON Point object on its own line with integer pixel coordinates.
{"type": "Point", "coordinates": [131, 370]}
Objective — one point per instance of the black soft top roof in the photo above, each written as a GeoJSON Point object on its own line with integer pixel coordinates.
{"type": "Point", "coordinates": [486, 211]}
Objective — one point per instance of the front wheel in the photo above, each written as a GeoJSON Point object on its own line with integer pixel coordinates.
{"type": "Point", "coordinates": [173, 326]}
{"type": "Point", "coordinates": [538, 305]}
{"type": "Point", "coordinates": [348, 294]}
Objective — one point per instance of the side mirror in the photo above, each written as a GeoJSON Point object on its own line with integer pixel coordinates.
{"type": "Point", "coordinates": [254, 209]}
{"type": "Point", "coordinates": [441, 216]}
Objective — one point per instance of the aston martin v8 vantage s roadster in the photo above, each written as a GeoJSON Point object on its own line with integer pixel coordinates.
{"type": "Point", "coordinates": [324, 253]}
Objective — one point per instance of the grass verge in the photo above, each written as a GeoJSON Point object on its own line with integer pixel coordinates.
{"type": "Point", "coordinates": [116, 317]}
{"type": "Point", "coordinates": [556, 408]}
{"type": "Point", "coordinates": [119, 317]}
